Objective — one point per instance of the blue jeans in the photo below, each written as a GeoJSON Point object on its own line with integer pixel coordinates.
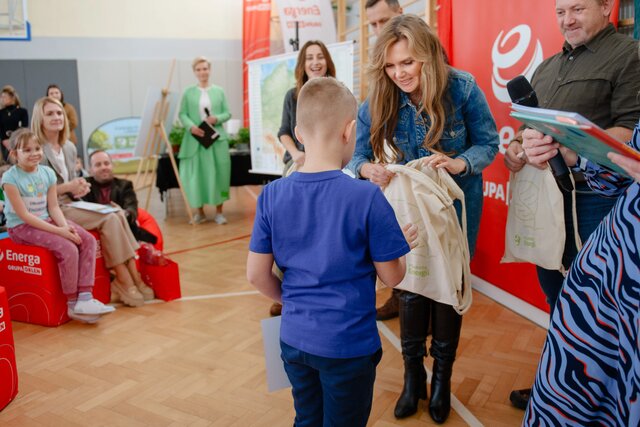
{"type": "Point", "coordinates": [330, 392]}
{"type": "Point", "coordinates": [590, 209]}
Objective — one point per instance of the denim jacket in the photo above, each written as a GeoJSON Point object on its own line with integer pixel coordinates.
{"type": "Point", "coordinates": [470, 134]}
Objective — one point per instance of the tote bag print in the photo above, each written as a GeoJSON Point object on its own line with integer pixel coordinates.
{"type": "Point", "coordinates": [535, 230]}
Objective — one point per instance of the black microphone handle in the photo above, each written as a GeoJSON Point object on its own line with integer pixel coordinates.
{"type": "Point", "coordinates": [206, 111]}
{"type": "Point", "coordinates": [561, 172]}
{"type": "Point", "coordinates": [521, 92]}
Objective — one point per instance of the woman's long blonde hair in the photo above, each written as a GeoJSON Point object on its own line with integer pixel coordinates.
{"type": "Point", "coordinates": [384, 95]}
{"type": "Point", "coordinates": [37, 120]}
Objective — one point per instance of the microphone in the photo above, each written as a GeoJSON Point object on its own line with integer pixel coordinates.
{"type": "Point", "coordinates": [521, 93]}
{"type": "Point", "coordinates": [206, 111]}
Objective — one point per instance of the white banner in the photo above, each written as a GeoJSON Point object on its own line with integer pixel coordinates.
{"type": "Point", "coordinates": [314, 18]}
{"type": "Point", "coordinates": [269, 80]}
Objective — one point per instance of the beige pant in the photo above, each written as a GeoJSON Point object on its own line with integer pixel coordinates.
{"type": "Point", "coordinates": [117, 242]}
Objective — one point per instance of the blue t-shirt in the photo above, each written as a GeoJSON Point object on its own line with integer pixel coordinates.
{"type": "Point", "coordinates": [325, 230]}
{"type": "Point", "coordinates": [33, 187]}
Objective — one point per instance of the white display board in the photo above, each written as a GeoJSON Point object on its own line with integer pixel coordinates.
{"type": "Point", "coordinates": [314, 19]}
{"type": "Point", "coordinates": [269, 80]}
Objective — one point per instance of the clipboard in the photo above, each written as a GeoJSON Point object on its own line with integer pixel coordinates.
{"type": "Point", "coordinates": [577, 133]}
{"type": "Point", "coordinates": [210, 135]}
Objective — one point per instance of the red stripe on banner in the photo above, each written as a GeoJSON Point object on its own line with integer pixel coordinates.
{"type": "Point", "coordinates": [445, 29]}
{"type": "Point", "coordinates": [256, 25]}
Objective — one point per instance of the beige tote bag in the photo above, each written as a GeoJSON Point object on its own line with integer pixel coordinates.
{"type": "Point", "coordinates": [535, 230]}
{"type": "Point", "coordinates": [438, 268]}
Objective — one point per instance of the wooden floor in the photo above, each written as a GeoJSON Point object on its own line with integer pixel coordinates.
{"type": "Point", "coordinates": [199, 361]}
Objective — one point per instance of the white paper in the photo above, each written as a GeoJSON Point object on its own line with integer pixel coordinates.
{"type": "Point", "coordinates": [276, 376]}
{"type": "Point", "coordinates": [94, 207]}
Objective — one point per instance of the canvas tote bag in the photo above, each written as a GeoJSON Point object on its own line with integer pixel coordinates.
{"type": "Point", "coordinates": [535, 230]}
{"type": "Point", "coordinates": [438, 268]}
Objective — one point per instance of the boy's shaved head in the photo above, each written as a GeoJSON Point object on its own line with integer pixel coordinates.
{"type": "Point", "coordinates": [325, 107]}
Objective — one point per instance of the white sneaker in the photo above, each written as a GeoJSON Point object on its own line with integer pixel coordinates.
{"type": "Point", "coordinates": [220, 219]}
{"type": "Point", "coordinates": [198, 219]}
{"type": "Point", "coordinates": [93, 306]}
{"type": "Point", "coordinates": [84, 318]}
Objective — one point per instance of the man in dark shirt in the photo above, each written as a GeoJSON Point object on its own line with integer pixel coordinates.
{"type": "Point", "coordinates": [597, 74]}
{"type": "Point", "coordinates": [107, 189]}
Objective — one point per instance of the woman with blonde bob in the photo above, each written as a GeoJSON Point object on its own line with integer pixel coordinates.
{"type": "Point", "coordinates": [205, 172]}
{"type": "Point", "coordinates": [51, 127]}
{"type": "Point", "coordinates": [420, 108]}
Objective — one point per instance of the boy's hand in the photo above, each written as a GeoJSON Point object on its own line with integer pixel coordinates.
{"type": "Point", "coordinates": [377, 174]}
{"type": "Point", "coordinates": [410, 232]}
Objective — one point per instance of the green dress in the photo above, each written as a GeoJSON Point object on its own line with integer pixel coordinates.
{"type": "Point", "coordinates": [205, 173]}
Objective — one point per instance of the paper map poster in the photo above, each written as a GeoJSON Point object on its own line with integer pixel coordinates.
{"type": "Point", "coordinates": [269, 80]}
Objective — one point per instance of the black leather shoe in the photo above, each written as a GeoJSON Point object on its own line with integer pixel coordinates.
{"type": "Point", "coordinates": [520, 398]}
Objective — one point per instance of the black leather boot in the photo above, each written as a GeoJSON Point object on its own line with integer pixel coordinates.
{"type": "Point", "coordinates": [444, 343]}
{"type": "Point", "coordinates": [414, 325]}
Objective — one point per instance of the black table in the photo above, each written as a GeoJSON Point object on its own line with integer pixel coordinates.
{"type": "Point", "coordinates": [240, 175]}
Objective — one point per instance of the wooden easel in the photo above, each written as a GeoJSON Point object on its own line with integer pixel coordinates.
{"type": "Point", "coordinates": [153, 146]}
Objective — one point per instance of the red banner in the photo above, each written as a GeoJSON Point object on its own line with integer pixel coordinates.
{"type": "Point", "coordinates": [497, 40]}
{"type": "Point", "coordinates": [256, 24]}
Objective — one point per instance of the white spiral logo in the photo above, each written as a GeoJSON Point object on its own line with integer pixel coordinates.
{"type": "Point", "coordinates": [502, 61]}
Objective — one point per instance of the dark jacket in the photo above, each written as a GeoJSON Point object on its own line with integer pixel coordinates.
{"type": "Point", "coordinates": [124, 195]}
{"type": "Point", "coordinates": [11, 118]}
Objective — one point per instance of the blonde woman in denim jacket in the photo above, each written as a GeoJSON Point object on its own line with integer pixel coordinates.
{"type": "Point", "coordinates": [419, 107]}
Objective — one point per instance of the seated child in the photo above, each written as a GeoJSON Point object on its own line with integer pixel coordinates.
{"type": "Point", "coordinates": [330, 235]}
{"type": "Point", "coordinates": [34, 218]}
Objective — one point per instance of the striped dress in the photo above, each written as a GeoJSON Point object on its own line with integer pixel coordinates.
{"type": "Point", "coordinates": [589, 372]}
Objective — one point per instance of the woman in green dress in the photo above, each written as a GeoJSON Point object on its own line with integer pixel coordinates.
{"type": "Point", "coordinates": [205, 172]}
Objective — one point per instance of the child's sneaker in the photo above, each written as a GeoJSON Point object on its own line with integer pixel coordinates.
{"type": "Point", "coordinates": [92, 306]}
{"type": "Point", "coordinates": [84, 318]}
{"type": "Point", "coordinates": [220, 219]}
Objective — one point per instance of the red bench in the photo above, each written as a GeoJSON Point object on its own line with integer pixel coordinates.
{"type": "Point", "coordinates": [30, 276]}
{"type": "Point", "coordinates": [8, 370]}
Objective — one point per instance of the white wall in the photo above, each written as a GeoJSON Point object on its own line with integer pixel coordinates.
{"type": "Point", "coordinates": [123, 47]}
{"type": "Point", "coordinates": [114, 89]}
{"type": "Point", "coordinates": [184, 19]}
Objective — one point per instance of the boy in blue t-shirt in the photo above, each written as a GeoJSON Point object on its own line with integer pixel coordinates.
{"type": "Point", "coordinates": [330, 235]}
